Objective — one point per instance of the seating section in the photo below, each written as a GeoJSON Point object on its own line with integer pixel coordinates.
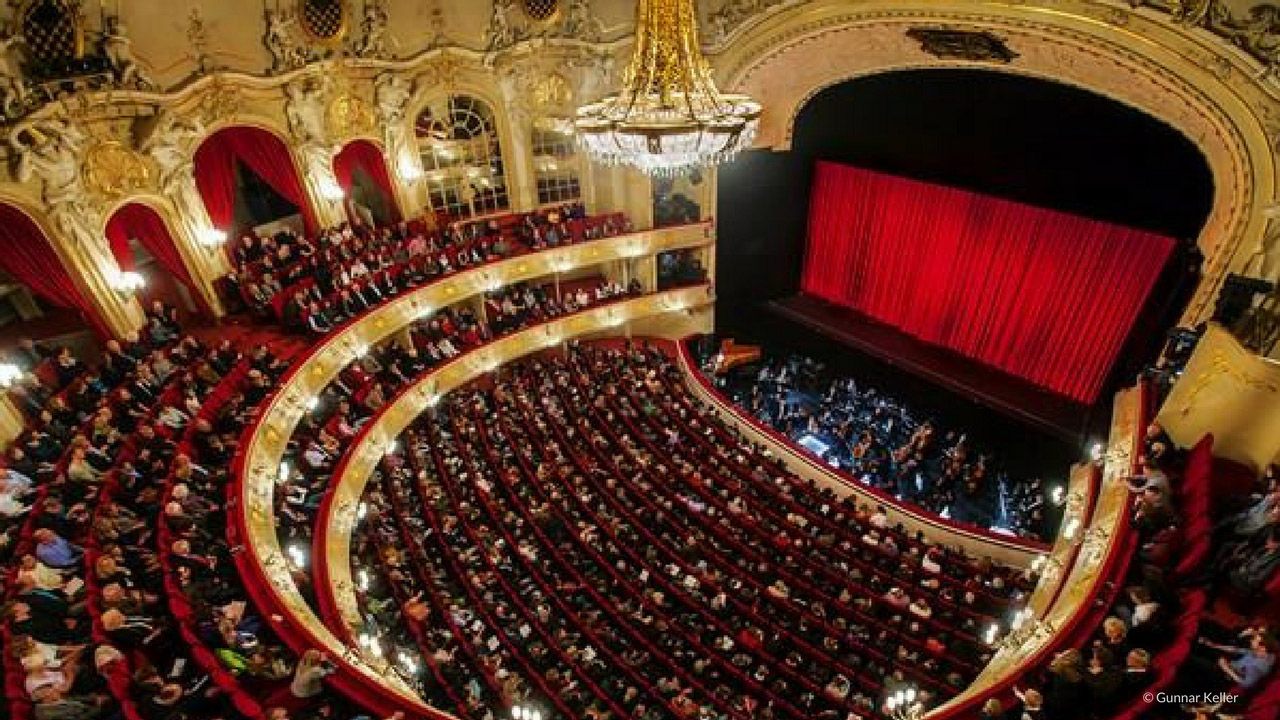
{"type": "Point", "coordinates": [123, 601]}
{"type": "Point", "coordinates": [582, 535]}
{"type": "Point", "coordinates": [318, 445]}
{"type": "Point", "coordinates": [314, 285]}
{"type": "Point", "coordinates": [1161, 634]}
{"type": "Point", "coordinates": [575, 532]}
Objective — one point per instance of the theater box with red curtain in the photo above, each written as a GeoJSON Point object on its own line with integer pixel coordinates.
{"type": "Point", "coordinates": [1040, 294]}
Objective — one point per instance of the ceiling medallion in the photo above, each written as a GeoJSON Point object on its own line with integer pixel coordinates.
{"type": "Point", "coordinates": [112, 170]}
{"type": "Point", "coordinates": [323, 20]}
{"type": "Point", "coordinates": [543, 11]}
{"type": "Point", "coordinates": [669, 118]}
{"type": "Point", "coordinates": [349, 115]}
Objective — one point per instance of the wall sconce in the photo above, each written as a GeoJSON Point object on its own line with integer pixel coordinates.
{"type": "Point", "coordinates": [211, 236]}
{"type": "Point", "coordinates": [128, 282]}
{"type": "Point", "coordinates": [408, 170]}
{"type": "Point", "coordinates": [9, 374]}
{"type": "Point", "coordinates": [331, 190]}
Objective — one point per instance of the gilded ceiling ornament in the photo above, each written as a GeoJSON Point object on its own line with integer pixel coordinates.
{"type": "Point", "coordinates": [112, 170]}
{"type": "Point", "coordinates": [503, 30]}
{"type": "Point", "coordinates": [551, 92]}
{"type": "Point", "coordinates": [956, 44]}
{"type": "Point", "coordinates": [543, 11]}
{"type": "Point", "coordinates": [373, 25]}
{"type": "Point", "coordinates": [286, 52]}
{"type": "Point", "coordinates": [324, 21]}
{"type": "Point", "coordinates": [117, 48]}
{"type": "Point", "coordinates": [732, 14]}
{"type": "Point", "coordinates": [198, 39]}
{"type": "Point", "coordinates": [14, 93]}
{"type": "Point", "coordinates": [349, 115]}
{"type": "Point", "coordinates": [220, 101]}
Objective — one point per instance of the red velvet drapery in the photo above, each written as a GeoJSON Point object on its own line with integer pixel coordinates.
{"type": "Point", "coordinates": [366, 156]}
{"type": "Point", "coordinates": [136, 220]}
{"type": "Point", "coordinates": [262, 153]}
{"type": "Point", "coordinates": [1043, 295]}
{"type": "Point", "coordinates": [25, 254]}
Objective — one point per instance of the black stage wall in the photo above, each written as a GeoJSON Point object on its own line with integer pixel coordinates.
{"type": "Point", "coordinates": [1020, 138]}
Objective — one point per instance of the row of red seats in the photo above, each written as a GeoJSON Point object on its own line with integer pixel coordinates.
{"type": "Point", "coordinates": [179, 604]}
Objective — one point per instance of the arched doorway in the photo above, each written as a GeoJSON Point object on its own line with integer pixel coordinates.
{"type": "Point", "coordinates": [361, 171]}
{"type": "Point", "coordinates": [38, 297]}
{"type": "Point", "coordinates": [140, 240]}
{"type": "Point", "coordinates": [247, 178]}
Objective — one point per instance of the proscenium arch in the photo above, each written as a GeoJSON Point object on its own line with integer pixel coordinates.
{"type": "Point", "coordinates": [1195, 83]}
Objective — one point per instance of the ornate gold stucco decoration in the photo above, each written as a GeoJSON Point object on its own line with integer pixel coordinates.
{"type": "Point", "coordinates": [112, 170]}
{"type": "Point", "coordinates": [349, 115]}
{"type": "Point", "coordinates": [220, 101]}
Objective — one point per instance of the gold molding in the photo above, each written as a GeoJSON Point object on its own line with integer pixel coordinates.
{"type": "Point", "coordinates": [1228, 391]}
{"type": "Point", "coordinates": [112, 170]}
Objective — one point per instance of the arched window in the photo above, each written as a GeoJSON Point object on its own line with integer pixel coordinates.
{"type": "Point", "coordinates": [458, 140]}
{"type": "Point", "coordinates": [555, 163]}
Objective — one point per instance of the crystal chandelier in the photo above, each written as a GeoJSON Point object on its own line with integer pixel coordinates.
{"type": "Point", "coordinates": [669, 117]}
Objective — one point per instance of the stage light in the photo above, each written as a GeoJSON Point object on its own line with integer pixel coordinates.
{"type": "Point", "coordinates": [298, 553]}
{"type": "Point", "coordinates": [284, 471]}
{"type": "Point", "coordinates": [990, 636]}
{"type": "Point", "coordinates": [313, 402]}
{"type": "Point", "coordinates": [362, 579]}
{"type": "Point", "coordinates": [361, 510]}
{"type": "Point", "coordinates": [1096, 451]}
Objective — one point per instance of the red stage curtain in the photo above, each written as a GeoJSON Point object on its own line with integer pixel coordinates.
{"type": "Point", "coordinates": [136, 220]}
{"type": "Point", "coordinates": [1043, 295]}
{"type": "Point", "coordinates": [25, 254]}
{"type": "Point", "coordinates": [260, 151]}
{"type": "Point", "coordinates": [366, 156]}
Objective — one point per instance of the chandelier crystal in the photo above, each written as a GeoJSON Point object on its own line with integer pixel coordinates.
{"type": "Point", "coordinates": [669, 117]}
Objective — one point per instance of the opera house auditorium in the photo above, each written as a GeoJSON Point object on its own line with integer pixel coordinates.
{"type": "Point", "coordinates": [640, 359]}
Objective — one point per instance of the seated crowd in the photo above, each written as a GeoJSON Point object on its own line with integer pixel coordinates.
{"type": "Point", "coordinates": [313, 285]}
{"type": "Point", "coordinates": [581, 534]}
{"type": "Point", "coordinates": [575, 532]}
{"type": "Point", "coordinates": [886, 444]}
{"type": "Point", "coordinates": [318, 444]}
{"type": "Point", "coordinates": [1160, 632]}
{"type": "Point", "coordinates": [109, 611]}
